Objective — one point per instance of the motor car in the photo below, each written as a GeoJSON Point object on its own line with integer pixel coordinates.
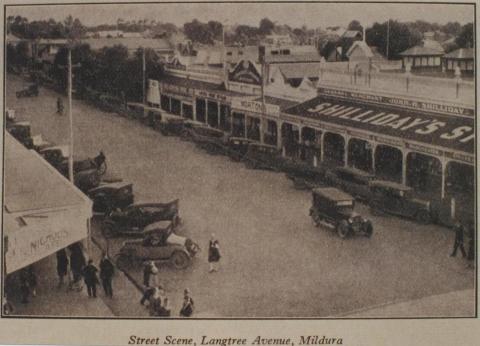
{"type": "Point", "coordinates": [58, 157]}
{"type": "Point", "coordinates": [306, 177]}
{"type": "Point", "coordinates": [39, 143]}
{"type": "Point", "coordinates": [134, 219]}
{"type": "Point", "coordinates": [162, 244]}
{"type": "Point", "coordinates": [354, 181]}
{"type": "Point", "coordinates": [397, 199]}
{"type": "Point", "coordinates": [21, 131]}
{"type": "Point", "coordinates": [108, 197]}
{"type": "Point", "coordinates": [263, 156]}
{"type": "Point", "coordinates": [237, 147]}
{"type": "Point", "coordinates": [212, 140]}
{"type": "Point", "coordinates": [335, 209]}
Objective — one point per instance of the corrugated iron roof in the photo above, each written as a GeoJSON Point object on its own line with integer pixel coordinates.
{"type": "Point", "coordinates": [421, 51]}
{"type": "Point", "coordinates": [462, 53]}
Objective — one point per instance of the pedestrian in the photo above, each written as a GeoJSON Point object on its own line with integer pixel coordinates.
{"type": "Point", "coordinates": [148, 295]}
{"type": "Point", "coordinates": [62, 266]}
{"type": "Point", "coordinates": [150, 272]}
{"type": "Point", "coordinates": [106, 275]}
{"type": "Point", "coordinates": [32, 280]}
{"type": "Point", "coordinates": [91, 279]}
{"type": "Point", "coordinates": [160, 303]}
{"type": "Point", "coordinates": [213, 254]}
{"type": "Point", "coordinates": [24, 285]}
{"type": "Point", "coordinates": [458, 240]}
{"type": "Point", "coordinates": [188, 305]}
{"type": "Point", "coordinates": [77, 263]}
{"type": "Point", "coordinates": [59, 106]}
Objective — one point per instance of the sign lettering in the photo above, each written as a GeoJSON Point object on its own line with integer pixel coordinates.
{"type": "Point", "coordinates": [255, 106]}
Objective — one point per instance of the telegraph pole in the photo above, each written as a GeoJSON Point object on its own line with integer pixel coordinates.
{"type": "Point", "coordinates": [144, 72]}
{"type": "Point", "coordinates": [388, 37]}
{"type": "Point", "coordinates": [70, 117]}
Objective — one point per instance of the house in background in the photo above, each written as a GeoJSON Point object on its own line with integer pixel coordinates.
{"type": "Point", "coordinates": [422, 59]}
{"type": "Point", "coordinates": [463, 58]}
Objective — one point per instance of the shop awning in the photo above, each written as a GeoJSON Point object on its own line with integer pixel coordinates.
{"type": "Point", "coordinates": [43, 211]}
{"type": "Point", "coordinates": [452, 132]}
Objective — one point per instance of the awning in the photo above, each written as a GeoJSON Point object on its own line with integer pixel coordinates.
{"type": "Point", "coordinates": [43, 211]}
{"type": "Point", "coordinates": [443, 131]}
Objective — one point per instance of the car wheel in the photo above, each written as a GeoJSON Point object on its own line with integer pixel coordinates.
{"type": "Point", "coordinates": [423, 217]}
{"type": "Point", "coordinates": [343, 229]}
{"type": "Point", "coordinates": [108, 231]}
{"type": "Point", "coordinates": [368, 229]}
{"type": "Point", "coordinates": [123, 261]}
{"type": "Point", "coordinates": [179, 260]}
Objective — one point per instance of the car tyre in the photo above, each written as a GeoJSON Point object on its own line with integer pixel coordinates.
{"type": "Point", "coordinates": [180, 260]}
{"type": "Point", "coordinates": [423, 217]}
{"type": "Point", "coordinates": [343, 229]}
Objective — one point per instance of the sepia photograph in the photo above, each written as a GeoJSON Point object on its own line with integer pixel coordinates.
{"type": "Point", "coordinates": [239, 160]}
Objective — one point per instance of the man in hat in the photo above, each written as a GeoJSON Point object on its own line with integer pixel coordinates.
{"type": "Point", "coordinates": [213, 254]}
{"type": "Point", "coordinates": [106, 274]}
{"type": "Point", "coordinates": [187, 306]}
{"type": "Point", "coordinates": [458, 240]}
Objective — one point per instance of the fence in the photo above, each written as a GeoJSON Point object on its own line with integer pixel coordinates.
{"type": "Point", "coordinates": [432, 88]}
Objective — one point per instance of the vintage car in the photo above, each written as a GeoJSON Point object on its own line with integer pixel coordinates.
{"type": "Point", "coordinates": [237, 147]}
{"type": "Point", "coordinates": [335, 209]}
{"type": "Point", "coordinates": [263, 156]}
{"type": "Point", "coordinates": [397, 199]}
{"type": "Point", "coordinates": [108, 197]}
{"type": "Point", "coordinates": [162, 244]}
{"type": "Point", "coordinates": [39, 143]}
{"type": "Point", "coordinates": [31, 90]}
{"type": "Point", "coordinates": [354, 181]}
{"type": "Point", "coordinates": [21, 131]}
{"type": "Point", "coordinates": [134, 219]}
{"type": "Point", "coordinates": [209, 139]}
{"type": "Point", "coordinates": [304, 176]}
{"type": "Point", "coordinates": [58, 155]}
{"type": "Point", "coordinates": [168, 125]}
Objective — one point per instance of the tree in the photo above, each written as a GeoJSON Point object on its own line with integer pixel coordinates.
{"type": "Point", "coordinates": [198, 32]}
{"type": "Point", "coordinates": [401, 38]}
{"type": "Point", "coordinates": [355, 25]}
{"type": "Point", "coordinates": [452, 28]}
{"type": "Point", "coordinates": [266, 26]}
{"type": "Point", "coordinates": [465, 39]}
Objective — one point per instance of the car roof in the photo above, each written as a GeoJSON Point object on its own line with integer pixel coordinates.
{"type": "Point", "coordinates": [158, 225]}
{"type": "Point", "coordinates": [390, 184]}
{"type": "Point", "coordinates": [117, 185]}
{"type": "Point", "coordinates": [354, 171]}
{"type": "Point", "coordinates": [332, 193]}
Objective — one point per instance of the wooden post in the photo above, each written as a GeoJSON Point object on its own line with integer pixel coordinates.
{"type": "Point", "coordinates": [70, 116]}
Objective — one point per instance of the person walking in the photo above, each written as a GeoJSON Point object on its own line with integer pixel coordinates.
{"type": "Point", "coordinates": [77, 263]}
{"type": "Point", "coordinates": [188, 305]}
{"type": "Point", "coordinates": [59, 106]}
{"type": "Point", "coordinates": [458, 240]}
{"type": "Point", "coordinates": [213, 254]}
{"type": "Point", "coordinates": [106, 275]}
{"type": "Point", "coordinates": [148, 294]}
{"type": "Point", "coordinates": [91, 280]}
{"type": "Point", "coordinates": [150, 272]}
{"type": "Point", "coordinates": [62, 266]}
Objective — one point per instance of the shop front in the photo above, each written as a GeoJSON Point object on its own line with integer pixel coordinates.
{"type": "Point", "coordinates": [176, 100]}
{"type": "Point", "coordinates": [214, 108]}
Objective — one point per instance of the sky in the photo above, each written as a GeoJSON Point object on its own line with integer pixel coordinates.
{"type": "Point", "coordinates": [294, 14]}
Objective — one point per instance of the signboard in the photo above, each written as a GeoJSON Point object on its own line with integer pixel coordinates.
{"type": "Point", "coordinates": [31, 238]}
{"type": "Point", "coordinates": [255, 107]}
{"type": "Point", "coordinates": [461, 157]}
{"type": "Point", "coordinates": [212, 95]}
{"type": "Point", "coordinates": [176, 89]}
{"type": "Point", "coordinates": [245, 72]}
{"type": "Point", "coordinates": [424, 149]}
{"type": "Point", "coordinates": [456, 133]}
{"type": "Point", "coordinates": [398, 101]}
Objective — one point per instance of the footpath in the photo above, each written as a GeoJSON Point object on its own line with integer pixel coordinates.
{"type": "Point", "coordinates": [52, 300]}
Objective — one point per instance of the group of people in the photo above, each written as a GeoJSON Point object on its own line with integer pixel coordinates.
{"type": "Point", "coordinates": [80, 268]}
{"type": "Point", "coordinates": [154, 294]}
{"type": "Point", "coordinates": [459, 243]}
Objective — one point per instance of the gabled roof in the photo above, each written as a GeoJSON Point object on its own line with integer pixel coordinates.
{"type": "Point", "coordinates": [462, 53]}
{"type": "Point", "coordinates": [363, 46]}
{"type": "Point", "coordinates": [421, 51]}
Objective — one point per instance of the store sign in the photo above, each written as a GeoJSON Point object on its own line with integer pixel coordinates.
{"type": "Point", "coordinates": [401, 102]}
{"type": "Point", "coordinates": [176, 89]}
{"type": "Point", "coordinates": [245, 72]}
{"type": "Point", "coordinates": [360, 135]}
{"type": "Point", "coordinates": [389, 141]}
{"type": "Point", "coordinates": [255, 107]}
{"type": "Point", "coordinates": [213, 96]}
{"type": "Point", "coordinates": [424, 149]}
{"type": "Point", "coordinates": [461, 157]}
{"type": "Point", "coordinates": [39, 236]}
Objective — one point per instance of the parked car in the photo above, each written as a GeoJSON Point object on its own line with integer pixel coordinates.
{"type": "Point", "coordinates": [354, 181]}
{"type": "Point", "coordinates": [21, 131]}
{"type": "Point", "coordinates": [39, 143]}
{"type": "Point", "coordinates": [108, 197]}
{"type": "Point", "coordinates": [305, 176]}
{"type": "Point", "coordinates": [237, 147]}
{"type": "Point", "coordinates": [397, 199]}
{"type": "Point", "coordinates": [209, 139]}
{"type": "Point", "coordinates": [162, 244]}
{"type": "Point", "coordinates": [263, 156]}
{"type": "Point", "coordinates": [334, 208]}
{"type": "Point", "coordinates": [134, 219]}
{"type": "Point", "coordinates": [58, 156]}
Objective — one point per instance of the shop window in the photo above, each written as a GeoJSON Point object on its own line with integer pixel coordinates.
{"type": "Point", "coordinates": [187, 111]}
{"type": "Point", "coordinates": [212, 117]}
{"type": "Point", "coordinates": [253, 128]}
{"type": "Point", "coordinates": [238, 124]}
{"type": "Point", "coordinates": [225, 119]}
{"type": "Point", "coordinates": [200, 110]}
{"type": "Point", "coordinates": [165, 103]}
{"type": "Point", "coordinates": [437, 61]}
{"type": "Point", "coordinates": [175, 106]}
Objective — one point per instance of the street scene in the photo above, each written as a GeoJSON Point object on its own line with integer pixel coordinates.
{"type": "Point", "coordinates": [231, 174]}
